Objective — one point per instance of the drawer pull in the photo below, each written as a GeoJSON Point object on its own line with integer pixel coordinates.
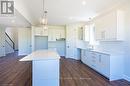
{"type": "Point", "coordinates": [100, 59]}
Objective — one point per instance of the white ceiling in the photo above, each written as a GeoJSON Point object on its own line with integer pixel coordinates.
{"type": "Point", "coordinates": [16, 20]}
{"type": "Point", "coordinates": [61, 12]}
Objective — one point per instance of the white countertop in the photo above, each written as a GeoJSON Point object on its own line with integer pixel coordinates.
{"type": "Point", "coordinates": [107, 52]}
{"type": "Point", "coordinates": [42, 55]}
{"type": "Point", "coordinates": [83, 48]}
{"type": "Point", "coordinates": [104, 52]}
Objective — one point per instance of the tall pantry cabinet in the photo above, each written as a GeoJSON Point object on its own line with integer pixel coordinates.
{"type": "Point", "coordinates": [71, 41]}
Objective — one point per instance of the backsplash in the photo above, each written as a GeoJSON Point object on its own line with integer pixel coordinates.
{"type": "Point", "coordinates": [110, 47]}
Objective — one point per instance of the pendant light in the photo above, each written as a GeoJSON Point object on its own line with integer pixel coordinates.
{"type": "Point", "coordinates": [44, 21]}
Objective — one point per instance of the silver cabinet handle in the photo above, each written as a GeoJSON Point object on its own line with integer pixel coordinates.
{"type": "Point", "coordinates": [30, 46]}
{"type": "Point", "coordinates": [100, 59]}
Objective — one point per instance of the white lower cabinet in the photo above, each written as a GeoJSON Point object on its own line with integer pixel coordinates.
{"type": "Point", "coordinates": [107, 65]}
{"type": "Point", "coordinates": [104, 64]}
{"type": "Point", "coordinates": [93, 60]}
{"type": "Point", "coordinates": [85, 57]}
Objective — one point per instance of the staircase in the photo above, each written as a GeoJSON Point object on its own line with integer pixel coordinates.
{"type": "Point", "coordinates": [9, 44]}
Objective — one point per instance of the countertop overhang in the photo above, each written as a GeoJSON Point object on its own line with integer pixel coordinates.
{"type": "Point", "coordinates": [41, 55]}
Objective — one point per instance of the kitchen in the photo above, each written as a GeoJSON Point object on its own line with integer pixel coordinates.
{"type": "Point", "coordinates": [73, 53]}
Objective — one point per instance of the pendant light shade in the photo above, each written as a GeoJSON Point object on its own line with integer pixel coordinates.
{"type": "Point", "coordinates": [44, 20]}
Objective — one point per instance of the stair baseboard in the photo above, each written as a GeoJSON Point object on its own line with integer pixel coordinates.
{"type": "Point", "coordinates": [127, 78]}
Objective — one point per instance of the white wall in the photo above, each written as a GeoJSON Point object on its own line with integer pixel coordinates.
{"type": "Point", "coordinates": [24, 41]}
{"type": "Point", "coordinates": [2, 41]}
{"type": "Point", "coordinates": [127, 41]}
{"type": "Point", "coordinates": [8, 48]}
{"type": "Point", "coordinates": [13, 33]}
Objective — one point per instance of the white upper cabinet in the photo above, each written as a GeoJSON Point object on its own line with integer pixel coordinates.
{"type": "Point", "coordinates": [60, 34]}
{"type": "Point", "coordinates": [109, 27]}
{"type": "Point", "coordinates": [51, 35]}
{"type": "Point", "coordinates": [86, 33]}
{"type": "Point", "coordinates": [40, 31]}
{"type": "Point", "coordinates": [56, 33]}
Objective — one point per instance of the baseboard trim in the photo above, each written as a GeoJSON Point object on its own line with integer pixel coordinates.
{"type": "Point", "coordinates": [126, 77]}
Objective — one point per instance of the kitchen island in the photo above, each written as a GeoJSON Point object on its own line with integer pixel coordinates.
{"type": "Point", "coordinates": [45, 67]}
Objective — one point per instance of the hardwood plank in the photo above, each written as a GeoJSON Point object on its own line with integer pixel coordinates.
{"type": "Point", "coordinates": [72, 73]}
{"type": "Point", "coordinates": [13, 72]}
{"type": "Point", "coordinates": [75, 73]}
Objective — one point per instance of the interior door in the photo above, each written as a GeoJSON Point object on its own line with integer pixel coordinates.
{"type": "Point", "coordinates": [2, 42]}
{"type": "Point", "coordinates": [24, 41]}
{"type": "Point", "coordinates": [70, 42]}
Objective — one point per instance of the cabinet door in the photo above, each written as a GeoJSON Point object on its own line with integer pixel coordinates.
{"type": "Point", "coordinates": [99, 30]}
{"type": "Point", "coordinates": [86, 33]}
{"type": "Point", "coordinates": [70, 50]}
{"type": "Point", "coordinates": [83, 56]}
{"type": "Point", "coordinates": [70, 42]}
{"type": "Point", "coordinates": [38, 31]}
{"type": "Point", "coordinates": [51, 35]}
{"type": "Point", "coordinates": [104, 64]}
{"type": "Point", "coordinates": [62, 33]}
{"type": "Point", "coordinates": [44, 32]}
{"type": "Point", "coordinates": [57, 34]}
{"type": "Point", "coordinates": [110, 27]}
{"type": "Point", "coordinates": [87, 57]}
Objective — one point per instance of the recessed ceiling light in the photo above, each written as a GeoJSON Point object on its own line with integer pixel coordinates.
{"type": "Point", "coordinates": [83, 2]}
{"type": "Point", "coordinates": [70, 18]}
{"type": "Point", "coordinates": [13, 21]}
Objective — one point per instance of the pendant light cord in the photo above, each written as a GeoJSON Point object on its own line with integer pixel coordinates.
{"type": "Point", "coordinates": [44, 20]}
{"type": "Point", "coordinates": [43, 7]}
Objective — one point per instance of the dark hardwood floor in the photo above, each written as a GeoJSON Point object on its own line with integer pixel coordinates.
{"type": "Point", "coordinates": [13, 72]}
{"type": "Point", "coordinates": [73, 73]}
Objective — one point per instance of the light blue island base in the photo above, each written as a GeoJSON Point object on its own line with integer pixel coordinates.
{"type": "Point", "coordinates": [46, 73]}
{"type": "Point", "coordinates": [45, 67]}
